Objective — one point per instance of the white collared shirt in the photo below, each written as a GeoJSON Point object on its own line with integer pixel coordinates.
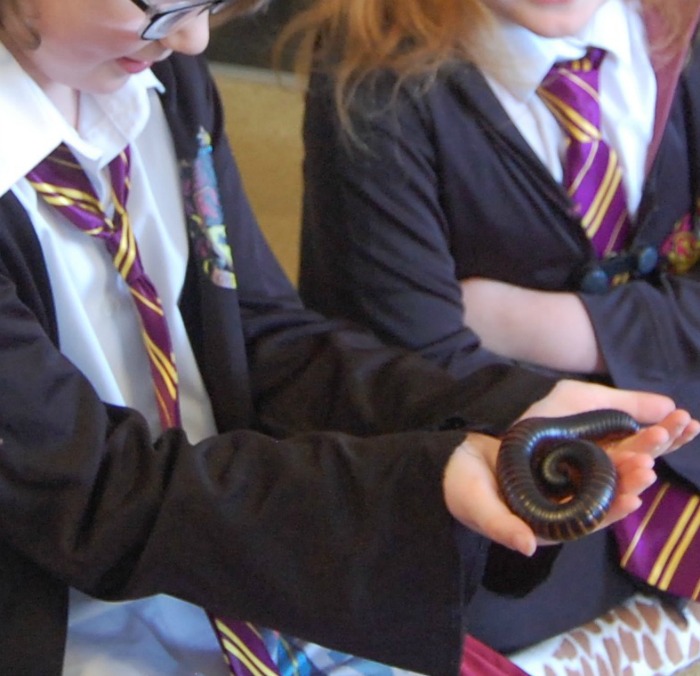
{"type": "Point", "coordinates": [99, 331]}
{"type": "Point", "coordinates": [517, 61]}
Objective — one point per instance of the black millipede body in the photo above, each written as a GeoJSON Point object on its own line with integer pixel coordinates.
{"type": "Point", "coordinates": [554, 477]}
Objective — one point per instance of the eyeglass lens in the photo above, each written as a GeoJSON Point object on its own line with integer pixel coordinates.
{"type": "Point", "coordinates": [164, 22]}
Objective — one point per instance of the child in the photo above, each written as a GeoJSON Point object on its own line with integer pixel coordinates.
{"type": "Point", "coordinates": [168, 407]}
{"type": "Point", "coordinates": [435, 214]}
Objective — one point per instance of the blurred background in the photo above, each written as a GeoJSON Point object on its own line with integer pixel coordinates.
{"type": "Point", "coordinates": [264, 113]}
{"type": "Point", "coordinates": [247, 41]}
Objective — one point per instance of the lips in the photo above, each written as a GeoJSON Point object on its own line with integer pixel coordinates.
{"type": "Point", "coordinates": [545, 3]}
{"type": "Point", "coordinates": [133, 66]}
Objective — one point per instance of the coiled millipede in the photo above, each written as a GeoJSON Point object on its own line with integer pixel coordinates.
{"type": "Point", "coordinates": [554, 477]}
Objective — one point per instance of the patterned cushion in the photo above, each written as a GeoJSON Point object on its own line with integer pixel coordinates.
{"type": "Point", "coordinates": [642, 637]}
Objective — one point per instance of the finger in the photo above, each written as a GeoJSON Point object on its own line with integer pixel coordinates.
{"type": "Point", "coordinates": [687, 434]}
{"type": "Point", "coordinates": [653, 441]}
{"type": "Point", "coordinates": [623, 505]}
{"type": "Point", "coordinates": [635, 475]}
{"type": "Point", "coordinates": [674, 431]}
{"type": "Point", "coordinates": [511, 532]}
{"type": "Point", "coordinates": [681, 429]}
{"type": "Point", "coordinates": [676, 423]}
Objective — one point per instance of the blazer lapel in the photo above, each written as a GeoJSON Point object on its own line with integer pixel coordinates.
{"type": "Point", "coordinates": [668, 64]}
{"type": "Point", "coordinates": [473, 91]}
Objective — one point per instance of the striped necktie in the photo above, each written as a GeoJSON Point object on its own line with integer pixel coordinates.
{"type": "Point", "coordinates": [592, 172]}
{"type": "Point", "coordinates": [63, 184]}
{"type": "Point", "coordinates": [660, 542]}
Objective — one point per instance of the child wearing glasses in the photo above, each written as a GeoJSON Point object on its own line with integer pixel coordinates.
{"type": "Point", "coordinates": [180, 439]}
{"type": "Point", "coordinates": [437, 211]}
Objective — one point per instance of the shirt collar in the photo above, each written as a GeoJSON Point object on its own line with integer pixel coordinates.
{"type": "Point", "coordinates": [518, 59]}
{"type": "Point", "coordinates": [31, 126]}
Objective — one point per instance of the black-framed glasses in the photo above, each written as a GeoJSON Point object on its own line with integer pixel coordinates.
{"type": "Point", "coordinates": [161, 21]}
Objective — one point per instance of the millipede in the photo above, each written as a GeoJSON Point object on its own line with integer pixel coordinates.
{"type": "Point", "coordinates": [554, 477]}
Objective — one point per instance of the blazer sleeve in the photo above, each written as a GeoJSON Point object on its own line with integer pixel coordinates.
{"type": "Point", "coordinates": [648, 335]}
{"type": "Point", "coordinates": [375, 240]}
{"type": "Point", "coordinates": [329, 537]}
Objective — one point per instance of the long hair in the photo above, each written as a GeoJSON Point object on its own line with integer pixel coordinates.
{"type": "Point", "coordinates": [355, 40]}
{"type": "Point", "coordinates": [405, 36]}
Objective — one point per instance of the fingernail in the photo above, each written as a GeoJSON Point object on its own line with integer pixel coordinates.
{"type": "Point", "coordinates": [524, 545]}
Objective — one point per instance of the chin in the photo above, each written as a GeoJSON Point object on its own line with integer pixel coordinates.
{"type": "Point", "coordinates": [557, 26]}
{"type": "Point", "coordinates": [557, 18]}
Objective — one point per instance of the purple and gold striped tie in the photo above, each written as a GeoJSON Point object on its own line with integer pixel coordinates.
{"type": "Point", "coordinates": [62, 183]}
{"type": "Point", "coordinates": [592, 172]}
{"type": "Point", "coordinates": [660, 542]}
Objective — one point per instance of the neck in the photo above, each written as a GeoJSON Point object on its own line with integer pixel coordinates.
{"type": "Point", "coordinates": [66, 100]}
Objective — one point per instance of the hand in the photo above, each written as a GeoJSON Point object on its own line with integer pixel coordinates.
{"type": "Point", "coordinates": [472, 496]}
{"type": "Point", "coordinates": [573, 396]}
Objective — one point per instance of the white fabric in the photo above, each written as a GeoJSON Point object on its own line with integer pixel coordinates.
{"type": "Point", "coordinates": [517, 60]}
{"type": "Point", "coordinates": [99, 332]}
{"type": "Point", "coordinates": [640, 637]}
{"type": "Point", "coordinates": [156, 636]}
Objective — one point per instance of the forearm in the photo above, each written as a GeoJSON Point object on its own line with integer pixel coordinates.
{"type": "Point", "coordinates": [550, 329]}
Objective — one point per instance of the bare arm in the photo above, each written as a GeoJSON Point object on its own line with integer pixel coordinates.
{"type": "Point", "coordinates": [547, 328]}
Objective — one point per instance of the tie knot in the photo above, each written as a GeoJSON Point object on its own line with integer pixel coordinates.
{"type": "Point", "coordinates": [581, 73]}
{"type": "Point", "coordinates": [590, 61]}
{"type": "Point", "coordinates": [570, 91]}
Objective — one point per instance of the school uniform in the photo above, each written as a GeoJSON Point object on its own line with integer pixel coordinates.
{"type": "Point", "coordinates": [443, 185]}
{"type": "Point", "coordinates": [283, 519]}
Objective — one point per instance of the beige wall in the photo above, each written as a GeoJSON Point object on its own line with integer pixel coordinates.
{"type": "Point", "coordinates": [264, 114]}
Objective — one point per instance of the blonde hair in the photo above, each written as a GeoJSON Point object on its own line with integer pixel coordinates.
{"type": "Point", "coordinates": [355, 40]}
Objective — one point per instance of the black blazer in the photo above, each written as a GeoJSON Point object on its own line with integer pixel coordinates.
{"type": "Point", "coordinates": [340, 539]}
{"type": "Point", "coordinates": [446, 188]}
